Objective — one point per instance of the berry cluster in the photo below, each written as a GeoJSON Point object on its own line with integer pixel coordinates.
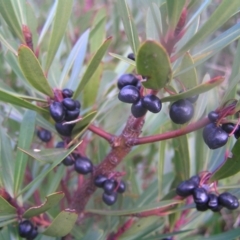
{"type": "Point", "coordinates": [44, 135]}
{"type": "Point", "coordinates": [130, 87]}
{"type": "Point", "coordinates": [82, 165]}
{"type": "Point", "coordinates": [66, 110]}
{"type": "Point", "coordinates": [205, 200]}
{"type": "Point", "coordinates": [27, 230]}
{"type": "Point", "coordinates": [111, 188]}
{"type": "Point", "coordinates": [182, 110]}
{"type": "Point", "coordinates": [216, 136]}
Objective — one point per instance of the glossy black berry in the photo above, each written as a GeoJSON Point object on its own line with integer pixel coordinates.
{"type": "Point", "coordinates": [64, 130]}
{"type": "Point", "coordinates": [213, 116]}
{"type": "Point", "coordinates": [44, 135]}
{"type": "Point", "coordinates": [127, 79]}
{"type": "Point", "coordinates": [139, 85]}
{"type": "Point", "coordinates": [228, 127]}
{"type": "Point", "coordinates": [33, 234]}
{"type": "Point", "coordinates": [202, 207]}
{"type": "Point", "coordinates": [131, 56]}
{"type": "Point", "coordinates": [121, 187]}
{"type": "Point", "coordinates": [237, 132]}
{"type": "Point", "coordinates": [109, 199]}
{"type": "Point", "coordinates": [129, 94]}
{"type": "Point", "coordinates": [67, 93]}
{"type": "Point", "coordinates": [228, 201]}
{"type": "Point", "coordinates": [83, 165]}
{"type": "Point", "coordinates": [214, 136]}
{"type": "Point", "coordinates": [181, 111]}
{"type": "Point", "coordinates": [186, 188]}
{"type": "Point", "coordinates": [77, 104]}
{"type": "Point", "coordinates": [109, 186]}
{"type": "Point", "coordinates": [68, 161]}
{"type": "Point", "coordinates": [213, 203]}
{"type": "Point", "coordinates": [69, 103]}
{"type": "Point", "coordinates": [60, 145]}
{"type": "Point", "coordinates": [152, 103]}
{"type": "Point", "coordinates": [57, 111]}
{"type": "Point", "coordinates": [25, 228]}
{"type": "Point", "coordinates": [192, 99]}
{"type": "Point", "coordinates": [72, 115]}
{"type": "Point", "coordinates": [100, 180]}
{"type": "Point", "coordinates": [200, 196]}
{"type": "Point", "coordinates": [195, 179]}
{"type": "Point", "coordinates": [138, 110]}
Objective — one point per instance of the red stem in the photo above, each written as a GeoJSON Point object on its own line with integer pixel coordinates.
{"type": "Point", "coordinates": [100, 132]}
{"type": "Point", "coordinates": [172, 134]}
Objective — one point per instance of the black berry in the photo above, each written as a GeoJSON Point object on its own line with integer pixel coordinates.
{"type": "Point", "coordinates": [69, 103]}
{"type": "Point", "coordinates": [25, 229]}
{"type": "Point", "coordinates": [213, 116]}
{"type": "Point", "coordinates": [121, 187]}
{"type": "Point", "coordinates": [237, 132]}
{"type": "Point", "coordinates": [139, 85]}
{"type": "Point", "coordinates": [138, 110]}
{"type": "Point", "coordinates": [77, 104]}
{"type": "Point", "coordinates": [57, 111]}
{"type": "Point", "coordinates": [68, 161]}
{"type": "Point", "coordinates": [152, 103]}
{"type": "Point", "coordinates": [83, 165]}
{"type": "Point", "coordinates": [186, 188]}
{"type": "Point", "coordinates": [131, 56]}
{"type": "Point", "coordinates": [100, 180]}
{"type": "Point", "coordinates": [33, 234]}
{"type": "Point", "coordinates": [192, 99]}
{"type": "Point", "coordinates": [181, 111]}
{"type": "Point", "coordinates": [67, 93]}
{"type": "Point", "coordinates": [129, 94]}
{"type": "Point", "coordinates": [213, 203]}
{"type": "Point", "coordinates": [72, 115]}
{"type": "Point", "coordinates": [44, 135]}
{"type": "Point", "coordinates": [228, 127]}
{"type": "Point", "coordinates": [195, 179]}
{"type": "Point", "coordinates": [64, 130]}
{"type": "Point", "coordinates": [214, 136]}
{"type": "Point", "coordinates": [228, 201]}
{"type": "Point", "coordinates": [109, 199]}
{"type": "Point", "coordinates": [127, 79]}
{"type": "Point", "coordinates": [200, 196]}
{"type": "Point", "coordinates": [109, 186]}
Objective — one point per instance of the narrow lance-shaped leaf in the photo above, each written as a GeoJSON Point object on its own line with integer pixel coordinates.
{"type": "Point", "coordinates": [124, 59]}
{"type": "Point", "coordinates": [204, 87]}
{"type": "Point", "coordinates": [63, 13]}
{"type": "Point", "coordinates": [32, 70]}
{"type": "Point", "coordinates": [174, 11]}
{"type": "Point", "coordinates": [92, 66]}
{"type": "Point", "coordinates": [6, 208]}
{"type": "Point", "coordinates": [128, 24]}
{"type": "Point", "coordinates": [51, 201]}
{"type": "Point", "coordinates": [153, 62]}
{"type": "Point", "coordinates": [231, 166]}
{"type": "Point", "coordinates": [62, 224]}
{"type": "Point", "coordinates": [7, 12]}
{"type": "Point", "coordinates": [8, 97]}
{"type": "Point", "coordinates": [27, 129]}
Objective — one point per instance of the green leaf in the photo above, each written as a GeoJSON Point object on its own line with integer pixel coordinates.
{"type": "Point", "coordinates": [5, 43]}
{"type": "Point", "coordinates": [7, 162]}
{"type": "Point", "coordinates": [32, 70]}
{"type": "Point", "coordinates": [188, 78]}
{"type": "Point", "coordinates": [216, 20]}
{"type": "Point", "coordinates": [124, 59]}
{"type": "Point", "coordinates": [7, 12]}
{"type": "Point", "coordinates": [154, 206]}
{"type": "Point", "coordinates": [128, 24]}
{"type": "Point", "coordinates": [96, 234]}
{"type": "Point", "coordinates": [6, 208]}
{"type": "Point", "coordinates": [153, 62]}
{"type": "Point", "coordinates": [174, 9]}
{"type": "Point", "coordinates": [201, 88]}
{"type": "Point", "coordinates": [62, 224]}
{"type": "Point", "coordinates": [51, 201]}
{"type": "Point", "coordinates": [63, 13]}
{"type": "Point", "coordinates": [91, 89]}
{"type": "Point", "coordinates": [92, 66]}
{"type": "Point", "coordinates": [231, 166]}
{"type": "Point", "coordinates": [27, 129]}
{"type": "Point", "coordinates": [8, 97]}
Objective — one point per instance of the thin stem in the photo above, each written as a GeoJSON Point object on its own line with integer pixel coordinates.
{"type": "Point", "coordinates": [172, 134]}
{"type": "Point", "coordinates": [100, 132]}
